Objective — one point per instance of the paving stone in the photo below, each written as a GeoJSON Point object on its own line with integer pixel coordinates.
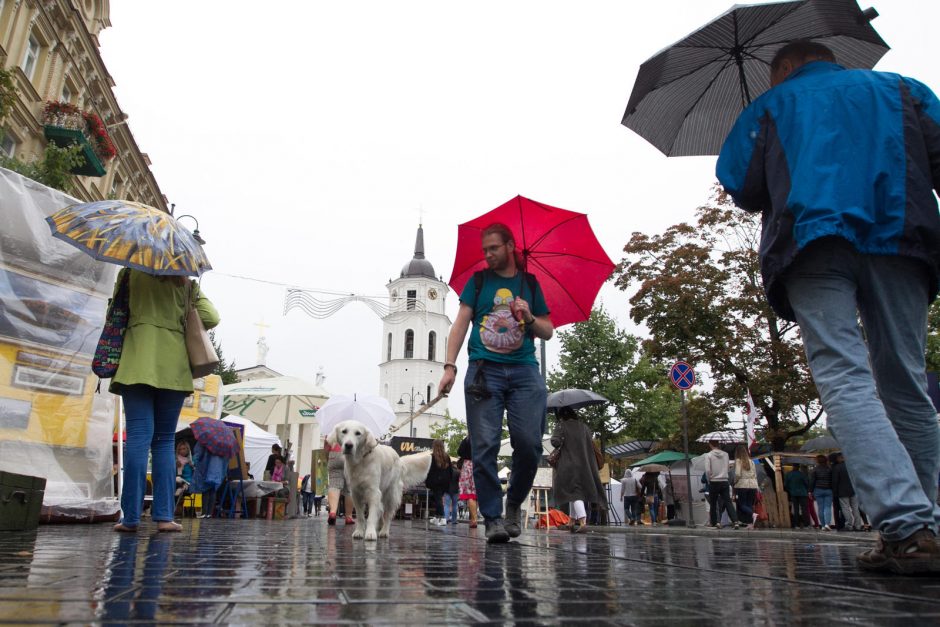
{"type": "Point", "coordinates": [303, 571]}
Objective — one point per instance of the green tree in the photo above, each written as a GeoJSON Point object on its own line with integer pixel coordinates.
{"type": "Point", "coordinates": [451, 430]}
{"type": "Point", "coordinates": [698, 291]}
{"type": "Point", "coordinates": [225, 369]}
{"type": "Point", "coordinates": [7, 95]}
{"type": "Point", "coordinates": [598, 356]}
{"type": "Point", "coordinates": [53, 170]}
{"type": "Point", "coordinates": [933, 337]}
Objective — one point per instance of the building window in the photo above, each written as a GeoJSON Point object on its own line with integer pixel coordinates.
{"type": "Point", "coordinates": [31, 58]}
{"type": "Point", "coordinates": [66, 94]}
{"type": "Point", "coordinates": [388, 349]}
{"type": "Point", "coordinates": [409, 344]}
{"type": "Point", "coordinates": [429, 393]}
{"type": "Point", "coordinates": [412, 299]}
{"type": "Point", "coordinates": [7, 144]}
{"type": "Point", "coordinates": [432, 345]}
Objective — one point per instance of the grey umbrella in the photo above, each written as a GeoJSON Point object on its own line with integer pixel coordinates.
{"type": "Point", "coordinates": [687, 97]}
{"type": "Point", "coordinates": [575, 399]}
{"type": "Point", "coordinates": [822, 443]}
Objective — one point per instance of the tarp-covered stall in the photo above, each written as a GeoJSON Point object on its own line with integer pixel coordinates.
{"type": "Point", "coordinates": [52, 302]}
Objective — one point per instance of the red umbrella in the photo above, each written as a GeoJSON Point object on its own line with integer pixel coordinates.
{"type": "Point", "coordinates": [557, 246]}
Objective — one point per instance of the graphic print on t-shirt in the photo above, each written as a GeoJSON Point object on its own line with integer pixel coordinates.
{"type": "Point", "coordinates": [500, 332]}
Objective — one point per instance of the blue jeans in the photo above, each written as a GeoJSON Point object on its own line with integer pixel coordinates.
{"type": "Point", "coordinates": [823, 498]}
{"type": "Point", "coordinates": [629, 508]}
{"type": "Point", "coordinates": [450, 507]}
{"type": "Point", "coordinates": [875, 394]}
{"type": "Point", "coordinates": [151, 415]}
{"type": "Point", "coordinates": [519, 392]}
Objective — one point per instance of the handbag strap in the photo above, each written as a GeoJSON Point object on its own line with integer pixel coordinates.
{"type": "Point", "coordinates": [190, 302]}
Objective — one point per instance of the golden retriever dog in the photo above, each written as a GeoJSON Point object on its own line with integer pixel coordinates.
{"type": "Point", "coordinates": [376, 476]}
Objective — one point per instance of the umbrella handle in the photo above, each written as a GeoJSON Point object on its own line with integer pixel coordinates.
{"type": "Point", "coordinates": [434, 400]}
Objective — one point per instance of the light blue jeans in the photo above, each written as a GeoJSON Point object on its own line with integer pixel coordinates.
{"type": "Point", "coordinates": [519, 392]}
{"type": "Point", "coordinates": [151, 416]}
{"type": "Point", "coordinates": [875, 394]}
{"type": "Point", "coordinates": [450, 507]}
{"type": "Point", "coordinates": [823, 498]}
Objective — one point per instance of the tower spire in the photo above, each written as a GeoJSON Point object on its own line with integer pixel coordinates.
{"type": "Point", "coordinates": [419, 243]}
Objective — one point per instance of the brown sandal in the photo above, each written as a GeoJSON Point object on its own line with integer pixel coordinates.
{"type": "Point", "coordinates": [169, 525]}
{"type": "Point", "coordinates": [124, 529]}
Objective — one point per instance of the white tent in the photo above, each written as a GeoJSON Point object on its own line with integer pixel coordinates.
{"type": "Point", "coordinates": [258, 444]}
{"type": "Point", "coordinates": [505, 449]}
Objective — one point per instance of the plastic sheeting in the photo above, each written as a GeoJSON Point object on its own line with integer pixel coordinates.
{"type": "Point", "coordinates": [53, 297]}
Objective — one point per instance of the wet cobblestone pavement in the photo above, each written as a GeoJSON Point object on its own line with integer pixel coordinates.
{"type": "Point", "coordinates": [302, 571]}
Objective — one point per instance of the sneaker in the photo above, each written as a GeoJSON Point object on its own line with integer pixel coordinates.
{"type": "Point", "coordinates": [826, 528]}
{"type": "Point", "coordinates": [331, 520]}
{"type": "Point", "coordinates": [349, 520]}
{"type": "Point", "coordinates": [916, 554]}
{"type": "Point", "coordinates": [495, 532]}
{"type": "Point", "coordinates": [512, 525]}
{"type": "Point", "coordinates": [736, 526]}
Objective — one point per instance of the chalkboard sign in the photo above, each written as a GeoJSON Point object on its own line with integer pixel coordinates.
{"type": "Point", "coordinates": [407, 446]}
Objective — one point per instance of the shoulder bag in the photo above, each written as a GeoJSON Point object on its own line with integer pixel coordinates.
{"type": "Point", "coordinates": [555, 454]}
{"type": "Point", "coordinates": [108, 352]}
{"type": "Point", "coordinates": [203, 359]}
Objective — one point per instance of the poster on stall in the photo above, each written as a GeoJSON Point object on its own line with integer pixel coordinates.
{"type": "Point", "coordinates": [54, 423]}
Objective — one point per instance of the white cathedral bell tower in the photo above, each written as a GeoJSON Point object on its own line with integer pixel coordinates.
{"type": "Point", "coordinates": [414, 337]}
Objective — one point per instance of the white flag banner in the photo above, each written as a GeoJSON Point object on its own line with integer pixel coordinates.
{"type": "Point", "coordinates": [751, 420]}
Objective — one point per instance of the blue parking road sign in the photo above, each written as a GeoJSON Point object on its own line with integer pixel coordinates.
{"type": "Point", "coordinates": [682, 375]}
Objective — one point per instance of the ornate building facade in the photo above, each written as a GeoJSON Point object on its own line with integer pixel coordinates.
{"type": "Point", "coordinates": [414, 337]}
{"type": "Point", "coordinates": [50, 47]}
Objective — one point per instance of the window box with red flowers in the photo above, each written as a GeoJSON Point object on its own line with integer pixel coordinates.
{"type": "Point", "coordinates": [65, 125]}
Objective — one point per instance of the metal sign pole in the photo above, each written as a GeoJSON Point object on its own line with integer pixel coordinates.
{"type": "Point", "coordinates": [688, 462]}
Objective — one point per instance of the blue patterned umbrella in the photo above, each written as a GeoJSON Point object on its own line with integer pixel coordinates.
{"type": "Point", "coordinates": [215, 435]}
{"type": "Point", "coordinates": [132, 235]}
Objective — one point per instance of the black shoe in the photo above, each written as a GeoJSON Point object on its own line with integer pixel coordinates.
{"type": "Point", "coordinates": [495, 532]}
{"type": "Point", "coordinates": [512, 522]}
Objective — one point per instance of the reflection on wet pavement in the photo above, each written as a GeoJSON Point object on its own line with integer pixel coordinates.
{"type": "Point", "coordinates": [256, 571]}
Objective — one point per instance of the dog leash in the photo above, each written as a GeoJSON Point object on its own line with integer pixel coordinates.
{"type": "Point", "coordinates": [434, 400]}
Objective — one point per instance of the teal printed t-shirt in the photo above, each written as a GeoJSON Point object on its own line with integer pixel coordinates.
{"type": "Point", "coordinates": [494, 334]}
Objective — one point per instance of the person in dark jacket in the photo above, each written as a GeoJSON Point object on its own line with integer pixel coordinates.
{"type": "Point", "coordinates": [797, 487]}
{"type": "Point", "coordinates": [576, 479]}
{"type": "Point", "coordinates": [844, 493]}
{"type": "Point", "coordinates": [843, 165]}
{"type": "Point", "coordinates": [438, 480]}
{"type": "Point", "coordinates": [821, 485]}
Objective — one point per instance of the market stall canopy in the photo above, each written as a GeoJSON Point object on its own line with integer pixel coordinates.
{"type": "Point", "coordinates": [663, 457]}
{"type": "Point", "coordinates": [632, 448]}
{"type": "Point", "coordinates": [278, 400]}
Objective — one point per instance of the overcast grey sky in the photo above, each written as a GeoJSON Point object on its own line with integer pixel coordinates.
{"type": "Point", "coordinates": [309, 137]}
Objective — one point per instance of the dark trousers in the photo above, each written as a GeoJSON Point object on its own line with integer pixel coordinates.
{"type": "Point", "coordinates": [308, 501]}
{"type": "Point", "coordinates": [799, 511]}
{"type": "Point", "coordinates": [630, 508]}
{"type": "Point", "coordinates": [746, 498]}
{"type": "Point", "coordinates": [719, 494]}
{"type": "Point", "coordinates": [437, 500]}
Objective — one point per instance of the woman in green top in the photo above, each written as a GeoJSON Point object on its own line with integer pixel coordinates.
{"type": "Point", "coordinates": [154, 379]}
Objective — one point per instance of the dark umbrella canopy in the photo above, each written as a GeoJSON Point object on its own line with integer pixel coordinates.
{"type": "Point", "coordinates": [574, 398]}
{"type": "Point", "coordinates": [687, 97]}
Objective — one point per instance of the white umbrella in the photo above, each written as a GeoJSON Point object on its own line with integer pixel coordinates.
{"type": "Point", "coordinates": [505, 448]}
{"type": "Point", "coordinates": [723, 437]}
{"type": "Point", "coordinates": [279, 400]}
{"type": "Point", "coordinates": [372, 411]}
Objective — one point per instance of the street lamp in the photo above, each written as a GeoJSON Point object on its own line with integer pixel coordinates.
{"type": "Point", "coordinates": [411, 407]}
{"type": "Point", "coordinates": [196, 235]}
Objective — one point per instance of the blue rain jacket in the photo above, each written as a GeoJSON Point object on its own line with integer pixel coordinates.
{"type": "Point", "coordinates": [831, 152]}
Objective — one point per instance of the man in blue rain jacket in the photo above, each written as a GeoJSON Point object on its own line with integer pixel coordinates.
{"type": "Point", "coordinates": [843, 165]}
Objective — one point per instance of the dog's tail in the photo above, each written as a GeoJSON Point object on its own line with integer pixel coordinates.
{"type": "Point", "coordinates": [415, 468]}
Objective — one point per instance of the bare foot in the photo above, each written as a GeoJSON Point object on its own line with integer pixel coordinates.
{"type": "Point", "coordinates": [169, 525]}
{"type": "Point", "coordinates": [121, 527]}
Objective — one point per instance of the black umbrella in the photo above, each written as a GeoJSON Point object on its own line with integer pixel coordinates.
{"type": "Point", "coordinates": [687, 97]}
{"type": "Point", "coordinates": [574, 398]}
